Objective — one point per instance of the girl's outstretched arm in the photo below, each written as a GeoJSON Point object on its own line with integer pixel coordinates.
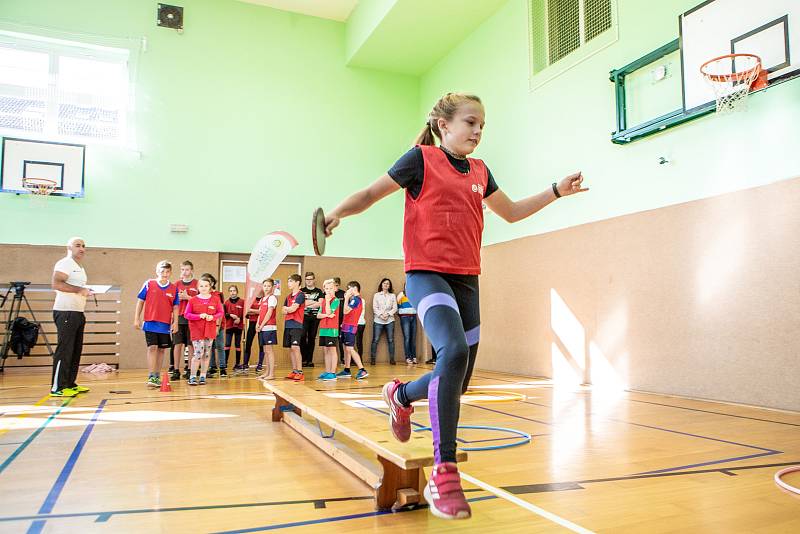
{"type": "Point", "coordinates": [360, 201]}
{"type": "Point", "coordinates": [513, 211]}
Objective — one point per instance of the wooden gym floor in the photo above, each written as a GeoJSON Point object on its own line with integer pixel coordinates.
{"type": "Point", "coordinates": [208, 459]}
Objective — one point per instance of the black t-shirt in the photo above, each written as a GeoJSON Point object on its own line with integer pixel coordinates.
{"type": "Point", "coordinates": [340, 295]}
{"type": "Point", "coordinates": [409, 172]}
{"type": "Point", "coordinates": [312, 295]}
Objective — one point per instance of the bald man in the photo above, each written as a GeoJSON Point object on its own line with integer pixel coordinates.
{"type": "Point", "coordinates": [69, 282]}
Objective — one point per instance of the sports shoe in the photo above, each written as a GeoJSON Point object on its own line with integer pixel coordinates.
{"type": "Point", "coordinates": [444, 494]}
{"type": "Point", "coordinates": [399, 415]}
{"type": "Point", "coordinates": [292, 375]}
{"type": "Point", "coordinates": [344, 374]}
{"type": "Point", "coordinates": [193, 381]}
{"type": "Point", "coordinates": [409, 361]}
{"type": "Point", "coordinates": [153, 382]}
{"type": "Point", "coordinates": [80, 389]}
{"type": "Point", "coordinates": [413, 361]}
{"type": "Point", "coordinates": [298, 376]}
{"type": "Point", "coordinates": [259, 368]}
{"type": "Point", "coordinates": [176, 375]}
{"type": "Point", "coordinates": [202, 381]}
{"type": "Point", "coordinates": [66, 392]}
{"type": "Point", "coordinates": [223, 373]}
{"type": "Point", "coordinates": [362, 374]}
{"type": "Point", "coordinates": [328, 377]}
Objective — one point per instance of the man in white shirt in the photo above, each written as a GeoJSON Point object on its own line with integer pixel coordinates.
{"type": "Point", "coordinates": [69, 282]}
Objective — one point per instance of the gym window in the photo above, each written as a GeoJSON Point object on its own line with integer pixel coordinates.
{"type": "Point", "coordinates": [62, 90]}
{"type": "Point", "coordinates": [565, 32]}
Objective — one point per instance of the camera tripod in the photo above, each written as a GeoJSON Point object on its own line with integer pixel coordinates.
{"type": "Point", "coordinates": [16, 305]}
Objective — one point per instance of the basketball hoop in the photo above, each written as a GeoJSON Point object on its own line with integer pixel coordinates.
{"type": "Point", "coordinates": [732, 77]}
{"type": "Point", "coordinates": [39, 186]}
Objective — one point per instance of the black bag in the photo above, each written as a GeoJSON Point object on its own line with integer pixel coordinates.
{"type": "Point", "coordinates": [24, 334]}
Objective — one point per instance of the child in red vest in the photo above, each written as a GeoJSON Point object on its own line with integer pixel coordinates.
{"type": "Point", "coordinates": [159, 300]}
{"type": "Point", "coordinates": [293, 308]}
{"type": "Point", "coordinates": [203, 311]}
{"type": "Point", "coordinates": [266, 325]}
{"type": "Point", "coordinates": [443, 226]}
{"type": "Point", "coordinates": [234, 322]}
{"type": "Point", "coordinates": [353, 306]}
{"type": "Point", "coordinates": [187, 288]}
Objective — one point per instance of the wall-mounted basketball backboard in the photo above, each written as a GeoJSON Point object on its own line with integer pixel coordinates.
{"type": "Point", "coordinates": [769, 29]}
{"type": "Point", "coordinates": [62, 163]}
{"type": "Point", "coordinates": [664, 88]}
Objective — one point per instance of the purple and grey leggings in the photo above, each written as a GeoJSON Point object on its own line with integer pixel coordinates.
{"type": "Point", "coordinates": [448, 307]}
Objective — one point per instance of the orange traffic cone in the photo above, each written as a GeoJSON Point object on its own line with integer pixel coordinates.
{"type": "Point", "coordinates": [165, 382]}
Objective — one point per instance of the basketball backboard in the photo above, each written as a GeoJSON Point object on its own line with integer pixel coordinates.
{"type": "Point", "coordinates": [63, 163]}
{"type": "Point", "coordinates": [769, 29]}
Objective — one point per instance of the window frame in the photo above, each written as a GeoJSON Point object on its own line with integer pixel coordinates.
{"type": "Point", "coordinates": [57, 48]}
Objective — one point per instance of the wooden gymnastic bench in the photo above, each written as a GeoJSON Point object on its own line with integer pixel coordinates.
{"type": "Point", "coordinates": [397, 480]}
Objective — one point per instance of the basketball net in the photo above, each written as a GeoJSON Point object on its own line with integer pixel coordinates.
{"type": "Point", "coordinates": [39, 188]}
{"type": "Point", "coordinates": [732, 77]}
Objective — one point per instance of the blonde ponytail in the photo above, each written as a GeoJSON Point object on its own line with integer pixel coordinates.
{"type": "Point", "coordinates": [445, 109]}
{"type": "Point", "coordinates": [425, 137]}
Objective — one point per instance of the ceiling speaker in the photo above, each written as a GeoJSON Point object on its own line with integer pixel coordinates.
{"type": "Point", "coordinates": [170, 16]}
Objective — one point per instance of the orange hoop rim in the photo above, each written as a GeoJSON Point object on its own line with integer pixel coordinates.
{"type": "Point", "coordinates": [734, 76]}
{"type": "Point", "coordinates": [39, 186]}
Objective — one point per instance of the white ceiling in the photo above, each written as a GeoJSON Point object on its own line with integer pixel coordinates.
{"type": "Point", "coordinates": [326, 9]}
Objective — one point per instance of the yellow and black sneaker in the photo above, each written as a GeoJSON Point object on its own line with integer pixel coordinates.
{"type": "Point", "coordinates": [66, 392]}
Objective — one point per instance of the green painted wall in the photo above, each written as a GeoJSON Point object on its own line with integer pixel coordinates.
{"type": "Point", "coordinates": [534, 137]}
{"type": "Point", "coordinates": [250, 109]}
{"type": "Point", "coordinates": [254, 108]}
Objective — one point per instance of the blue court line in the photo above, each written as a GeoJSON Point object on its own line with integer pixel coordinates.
{"type": "Point", "coordinates": [713, 462]}
{"type": "Point", "coordinates": [106, 515]}
{"type": "Point", "coordinates": [767, 452]}
{"type": "Point", "coordinates": [695, 435]}
{"type": "Point", "coordinates": [516, 490]}
{"type": "Point", "coordinates": [337, 518]}
{"type": "Point", "coordinates": [32, 437]}
{"type": "Point", "coordinates": [771, 451]}
{"type": "Point", "coordinates": [715, 413]}
{"type": "Point", "coordinates": [511, 414]}
{"type": "Point", "coordinates": [460, 440]}
{"type": "Point", "coordinates": [50, 501]}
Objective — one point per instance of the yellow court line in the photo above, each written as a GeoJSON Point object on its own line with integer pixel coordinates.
{"type": "Point", "coordinates": [24, 415]}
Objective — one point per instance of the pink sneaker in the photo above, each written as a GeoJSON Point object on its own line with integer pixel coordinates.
{"type": "Point", "coordinates": [444, 494]}
{"type": "Point", "coordinates": [400, 416]}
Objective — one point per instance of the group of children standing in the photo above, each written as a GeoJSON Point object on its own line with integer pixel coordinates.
{"type": "Point", "coordinates": [329, 335]}
{"type": "Point", "coordinates": [192, 311]}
